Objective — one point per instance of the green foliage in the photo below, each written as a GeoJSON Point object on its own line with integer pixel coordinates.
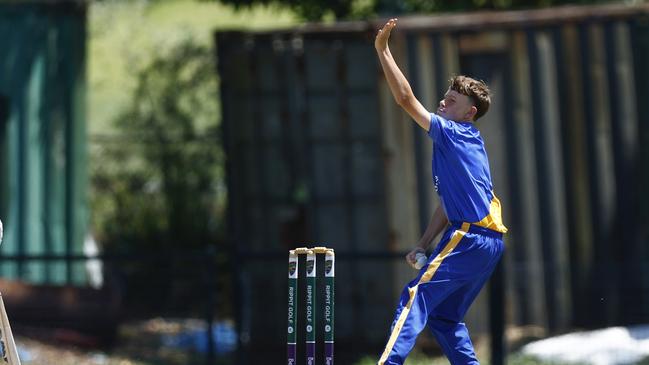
{"type": "Point", "coordinates": [156, 161]}
{"type": "Point", "coordinates": [125, 35]}
{"type": "Point", "coordinates": [159, 186]}
{"type": "Point", "coordinates": [307, 9]}
{"type": "Point", "coordinates": [160, 183]}
{"type": "Point", "coordinates": [315, 10]}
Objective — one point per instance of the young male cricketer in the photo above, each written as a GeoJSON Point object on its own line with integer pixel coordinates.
{"type": "Point", "coordinates": [469, 212]}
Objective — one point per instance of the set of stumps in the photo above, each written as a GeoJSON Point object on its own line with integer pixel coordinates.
{"type": "Point", "coordinates": [310, 302]}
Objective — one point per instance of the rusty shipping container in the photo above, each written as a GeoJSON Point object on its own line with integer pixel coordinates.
{"type": "Point", "coordinates": [318, 152]}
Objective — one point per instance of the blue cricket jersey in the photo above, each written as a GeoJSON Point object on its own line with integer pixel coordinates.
{"type": "Point", "coordinates": [465, 256]}
{"type": "Point", "coordinates": [461, 174]}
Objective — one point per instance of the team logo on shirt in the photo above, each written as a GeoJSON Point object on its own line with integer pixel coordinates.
{"type": "Point", "coordinates": [436, 182]}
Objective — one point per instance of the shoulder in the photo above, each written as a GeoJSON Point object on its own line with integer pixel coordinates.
{"type": "Point", "coordinates": [440, 127]}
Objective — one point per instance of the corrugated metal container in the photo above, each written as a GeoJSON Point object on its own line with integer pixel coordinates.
{"type": "Point", "coordinates": [42, 137]}
{"type": "Point", "coordinates": [319, 152]}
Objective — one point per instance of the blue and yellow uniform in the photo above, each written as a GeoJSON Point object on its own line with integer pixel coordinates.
{"type": "Point", "coordinates": [466, 255]}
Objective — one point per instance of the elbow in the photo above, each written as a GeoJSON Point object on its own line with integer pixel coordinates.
{"type": "Point", "coordinates": [403, 99]}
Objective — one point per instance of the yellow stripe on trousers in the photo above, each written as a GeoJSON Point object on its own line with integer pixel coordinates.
{"type": "Point", "coordinates": [430, 271]}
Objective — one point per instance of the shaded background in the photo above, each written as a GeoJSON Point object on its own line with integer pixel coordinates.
{"type": "Point", "coordinates": [159, 165]}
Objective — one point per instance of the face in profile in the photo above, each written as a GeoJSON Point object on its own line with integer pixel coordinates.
{"type": "Point", "coordinates": [456, 107]}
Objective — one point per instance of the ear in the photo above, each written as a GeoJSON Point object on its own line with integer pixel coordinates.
{"type": "Point", "coordinates": [471, 113]}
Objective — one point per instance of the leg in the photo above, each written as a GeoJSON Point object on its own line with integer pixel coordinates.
{"type": "Point", "coordinates": [445, 321]}
{"type": "Point", "coordinates": [417, 300]}
{"type": "Point", "coordinates": [410, 319]}
{"type": "Point", "coordinates": [448, 272]}
{"type": "Point", "coordinates": [454, 339]}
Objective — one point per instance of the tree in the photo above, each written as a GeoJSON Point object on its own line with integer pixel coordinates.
{"type": "Point", "coordinates": [169, 158]}
{"type": "Point", "coordinates": [316, 10]}
{"type": "Point", "coordinates": [157, 188]}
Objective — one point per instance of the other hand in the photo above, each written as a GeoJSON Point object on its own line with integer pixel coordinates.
{"type": "Point", "coordinates": [411, 256]}
{"type": "Point", "coordinates": [381, 40]}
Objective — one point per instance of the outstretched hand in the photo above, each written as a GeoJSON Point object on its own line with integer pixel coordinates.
{"type": "Point", "coordinates": [382, 37]}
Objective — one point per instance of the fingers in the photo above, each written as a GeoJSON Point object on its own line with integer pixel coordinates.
{"type": "Point", "coordinates": [389, 25]}
{"type": "Point", "coordinates": [381, 41]}
{"type": "Point", "coordinates": [411, 257]}
{"type": "Point", "coordinates": [410, 261]}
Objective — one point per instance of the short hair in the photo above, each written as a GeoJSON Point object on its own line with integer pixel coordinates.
{"type": "Point", "coordinates": [476, 90]}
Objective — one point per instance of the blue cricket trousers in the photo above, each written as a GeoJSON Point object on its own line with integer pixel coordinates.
{"type": "Point", "coordinates": [442, 293]}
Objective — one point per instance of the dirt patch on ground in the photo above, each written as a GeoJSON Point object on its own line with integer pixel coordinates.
{"type": "Point", "coordinates": [156, 341]}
